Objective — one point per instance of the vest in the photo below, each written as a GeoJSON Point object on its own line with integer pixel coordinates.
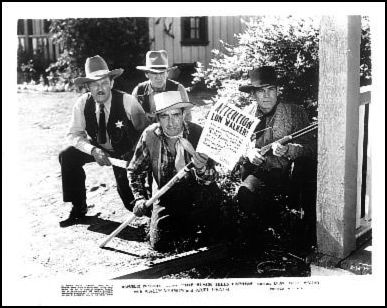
{"type": "Point", "coordinates": [153, 143]}
{"type": "Point", "coordinates": [143, 92]}
{"type": "Point", "coordinates": [123, 139]}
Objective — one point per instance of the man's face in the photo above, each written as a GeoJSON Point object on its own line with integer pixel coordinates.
{"type": "Point", "coordinates": [266, 97]}
{"type": "Point", "coordinates": [157, 80]}
{"type": "Point", "coordinates": [171, 121]}
{"type": "Point", "coordinates": [101, 89]}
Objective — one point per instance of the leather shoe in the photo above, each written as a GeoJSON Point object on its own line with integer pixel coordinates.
{"type": "Point", "coordinates": [77, 214]}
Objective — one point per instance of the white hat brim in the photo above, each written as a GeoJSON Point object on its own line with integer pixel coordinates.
{"type": "Point", "coordinates": [175, 106]}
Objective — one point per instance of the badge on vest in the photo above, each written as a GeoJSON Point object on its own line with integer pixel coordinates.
{"type": "Point", "coordinates": [119, 124]}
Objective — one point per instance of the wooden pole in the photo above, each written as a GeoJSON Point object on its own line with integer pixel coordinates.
{"type": "Point", "coordinates": [338, 118]}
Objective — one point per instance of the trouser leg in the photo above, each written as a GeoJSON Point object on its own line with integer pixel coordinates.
{"type": "Point", "coordinates": [123, 187]}
{"type": "Point", "coordinates": [169, 220]}
{"type": "Point", "coordinates": [73, 175]}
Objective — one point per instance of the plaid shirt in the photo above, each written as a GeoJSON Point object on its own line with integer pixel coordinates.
{"type": "Point", "coordinates": [141, 164]}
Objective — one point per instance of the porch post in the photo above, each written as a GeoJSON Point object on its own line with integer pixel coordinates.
{"type": "Point", "coordinates": [338, 118]}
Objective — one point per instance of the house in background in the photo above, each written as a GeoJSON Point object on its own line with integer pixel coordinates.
{"type": "Point", "coordinates": [191, 39]}
{"type": "Point", "coordinates": [186, 39]}
{"type": "Point", "coordinates": [34, 37]}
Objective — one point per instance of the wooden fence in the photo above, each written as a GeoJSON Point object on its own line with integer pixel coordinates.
{"type": "Point", "coordinates": [41, 43]}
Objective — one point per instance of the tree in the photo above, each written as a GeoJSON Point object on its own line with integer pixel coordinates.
{"type": "Point", "coordinates": [288, 43]}
{"type": "Point", "coordinates": [122, 42]}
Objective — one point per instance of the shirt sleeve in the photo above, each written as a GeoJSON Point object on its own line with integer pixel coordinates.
{"type": "Point", "coordinates": [304, 146]}
{"type": "Point", "coordinates": [135, 112]}
{"type": "Point", "coordinates": [77, 135]}
{"type": "Point", "coordinates": [138, 169]}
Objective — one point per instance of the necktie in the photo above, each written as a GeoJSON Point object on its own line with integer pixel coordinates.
{"type": "Point", "coordinates": [101, 125]}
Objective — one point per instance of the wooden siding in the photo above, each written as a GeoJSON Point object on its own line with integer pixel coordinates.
{"type": "Point", "coordinates": [219, 28]}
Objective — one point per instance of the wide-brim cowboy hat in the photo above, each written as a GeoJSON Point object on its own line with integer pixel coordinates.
{"type": "Point", "coordinates": [156, 62]}
{"type": "Point", "coordinates": [96, 69]}
{"type": "Point", "coordinates": [260, 77]}
{"type": "Point", "coordinates": [168, 100]}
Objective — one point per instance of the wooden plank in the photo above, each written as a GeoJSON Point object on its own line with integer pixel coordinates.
{"type": "Point", "coordinates": [151, 26]}
{"type": "Point", "coordinates": [230, 29]}
{"type": "Point", "coordinates": [27, 46]}
{"type": "Point", "coordinates": [338, 119]}
{"type": "Point", "coordinates": [177, 41]}
{"type": "Point", "coordinates": [194, 53]}
{"type": "Point", "coordinates": [368, 198]}
{"type": "Point", "coordinates": [360, 165]}
{"type": "Point", "coordinates": [168, 40]}
{"type": "Point", "coordinates": [202, 54]}
{"type": "Point", "coordinates": [216, 32]}
{"type": "Point", "coordinates": [186, 54]}
{"type": "Point", "coordinates": [223, 28]}
{"type": "Point", "coordinates": [178, 263]}
{"type": "Point", "coordinates": [51, 49]}
{"type": "Point", "coordinates": [365, 97]}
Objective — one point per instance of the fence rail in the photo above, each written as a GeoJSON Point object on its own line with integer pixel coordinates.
{"type": "Point", "coordinates": [363, 204]}
{"type": "Point", "coordinates": [43, 43]}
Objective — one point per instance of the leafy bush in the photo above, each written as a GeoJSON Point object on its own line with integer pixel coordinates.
{"type": "Point", "coordinates": [288, 43]}
{"type": "Point", "coordinates": [30, 67]}
{"type": "Point", "coordinates": [365, 52]}
{"type": "Point", "coordinates": [122, 42]}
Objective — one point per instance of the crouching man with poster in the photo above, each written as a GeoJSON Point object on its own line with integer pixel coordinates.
{"type": "Point", "coordinates": [165, 148]}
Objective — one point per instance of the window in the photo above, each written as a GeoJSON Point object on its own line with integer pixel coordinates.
{"type": "Point", "coordinates": [194, 31]}
{"type": "Point", "coordinates": [20, 26]}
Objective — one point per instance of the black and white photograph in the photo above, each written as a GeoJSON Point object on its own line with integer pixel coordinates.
{"type": "Point", "coordinates": [193, 153]}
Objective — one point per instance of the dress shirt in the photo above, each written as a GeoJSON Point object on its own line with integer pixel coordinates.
{"type": "Point", "coordinates": [77, 132]}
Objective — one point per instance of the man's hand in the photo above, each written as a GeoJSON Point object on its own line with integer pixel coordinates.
{"type": "Point", "coordinates": [139, 208]}
{"type": "Point", "coordinates": [279, 149]}
{"type": "Point", "coordinates": [100, 157]}
{"type": "Point", "coordinates": [255, 156]}
{"type": "Point", "coordinates": [199, 160]}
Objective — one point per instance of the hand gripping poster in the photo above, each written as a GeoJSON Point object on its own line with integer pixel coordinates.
{"type": "Point", "coordinates": [226, 134]}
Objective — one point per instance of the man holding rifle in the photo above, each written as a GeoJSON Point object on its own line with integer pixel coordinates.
{"type": "Point", "coordinates": [165, 148]}
{"type": "Point", "coordinates": [105, 122]}
{"type": "Point", "coordinates": [261, 172]}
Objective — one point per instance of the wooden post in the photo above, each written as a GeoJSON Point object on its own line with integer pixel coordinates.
{"type": "Point", "coordinates": [338, 119]}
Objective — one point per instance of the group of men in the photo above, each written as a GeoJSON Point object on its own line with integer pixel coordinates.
{"type": "Point", "coordinates": [152, 130]}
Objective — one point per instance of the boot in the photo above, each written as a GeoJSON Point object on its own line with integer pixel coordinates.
{"type": "Point", "coordinates": [78, 212]}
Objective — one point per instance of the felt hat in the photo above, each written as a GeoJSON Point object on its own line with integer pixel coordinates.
{"type": "Point", "coordinates": [96, 69]}
{"type": "Point", "coordinates": [168, 100]}
{"type": "Point", "coordinates": [156, 62]}
{"type": "Point", "coordinates": [260, 77]}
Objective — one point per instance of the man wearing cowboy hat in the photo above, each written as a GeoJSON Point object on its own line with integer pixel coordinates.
{"type": "Point", "coordinates": [162, 150]}
{"type": "Point", "coordinates": [156, 70]}
{"type": "Point", "coordinates": [105, 122]}
{"type": "Point", "coordinates": [263, 174]}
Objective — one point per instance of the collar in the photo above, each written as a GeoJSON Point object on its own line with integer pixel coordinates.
{"type": "Point", "coordinates": [107, 104]}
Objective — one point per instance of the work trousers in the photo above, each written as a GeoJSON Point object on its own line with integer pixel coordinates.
{"type": "Point", "coordinates": [181, 210]}
{"type": "Point", "coordinates": [73, 177]}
